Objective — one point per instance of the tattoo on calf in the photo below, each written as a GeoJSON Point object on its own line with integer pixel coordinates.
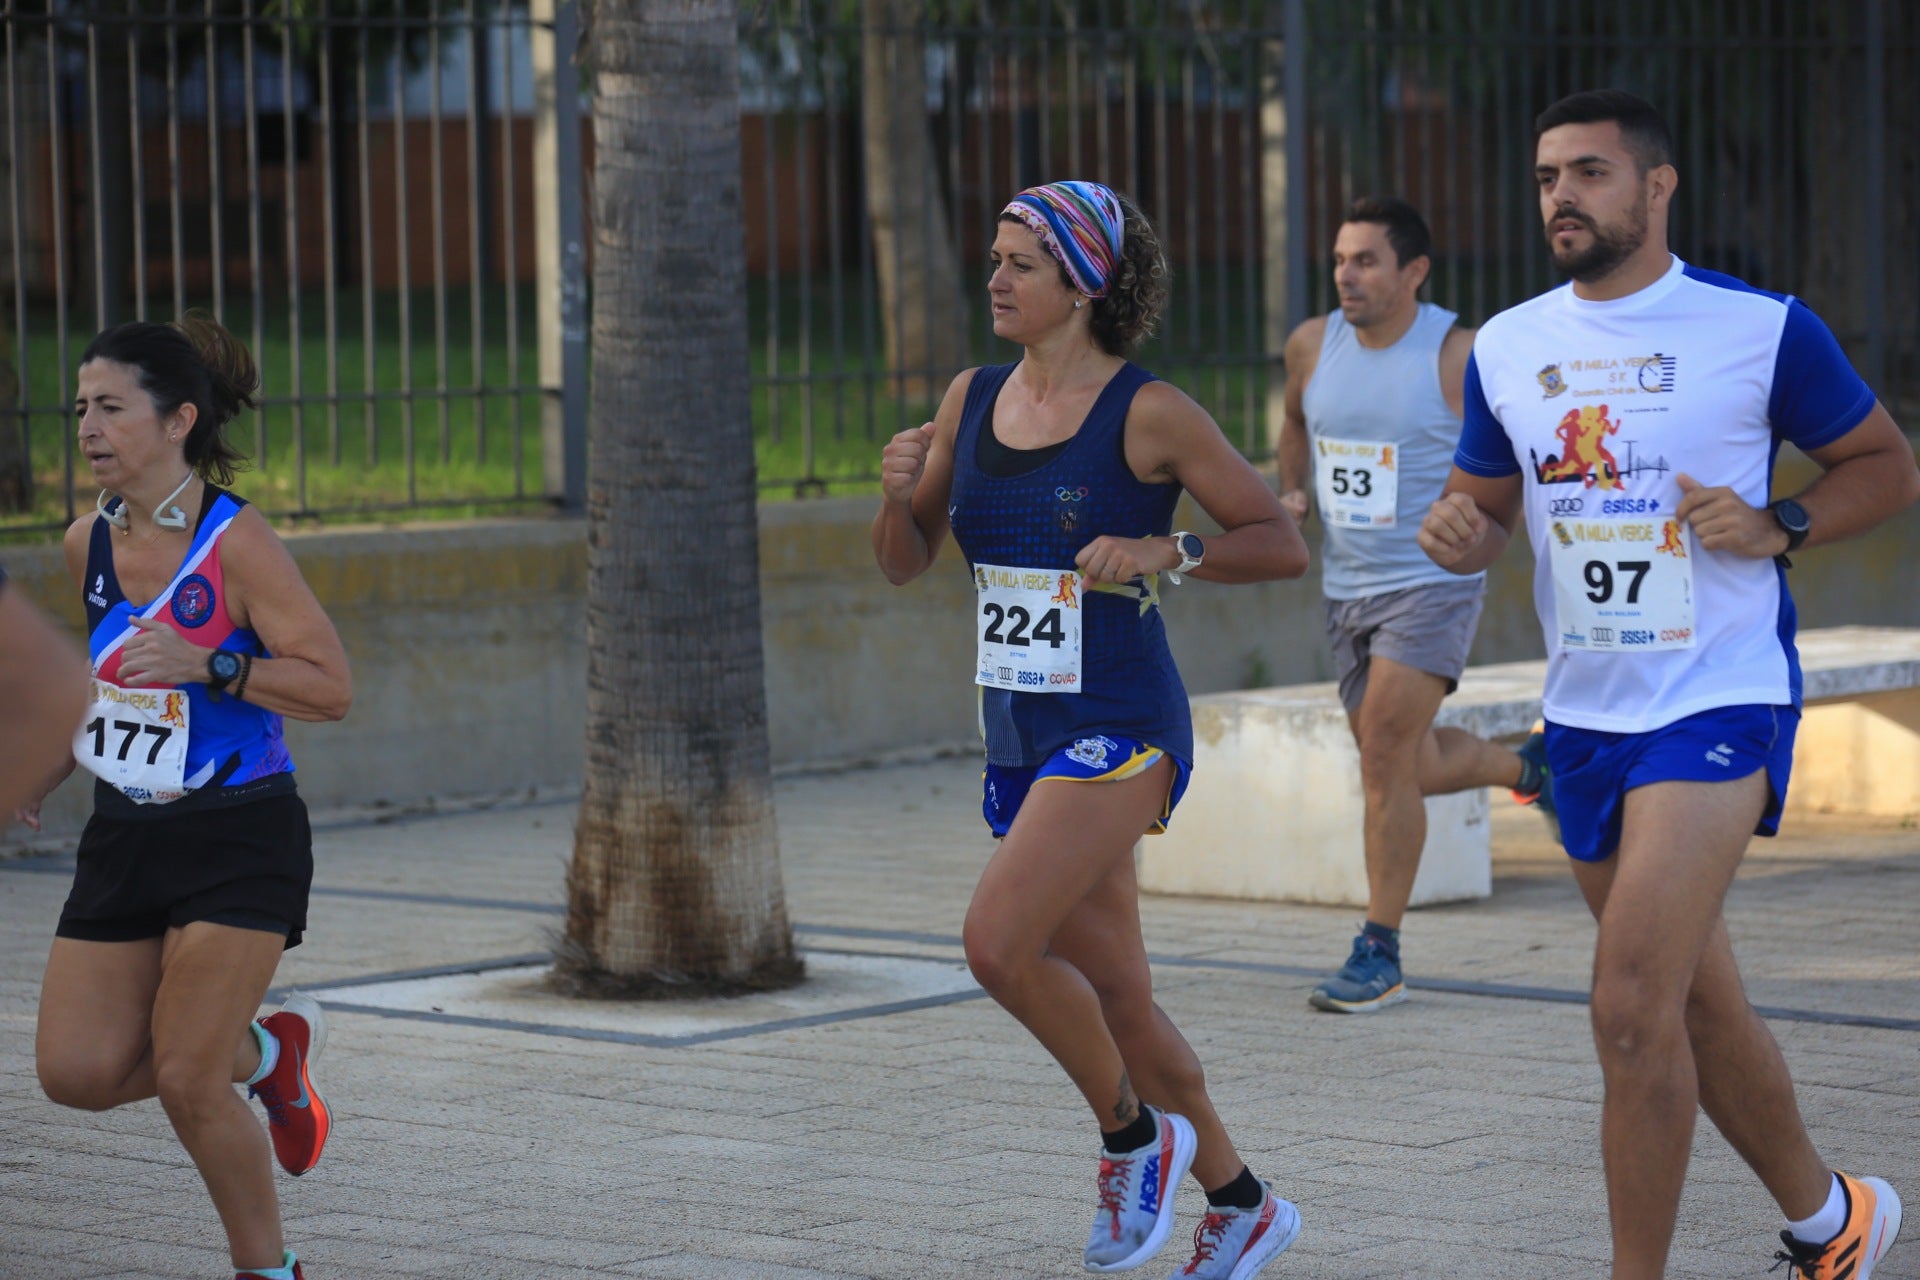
{"type": "Point", "coordinates": [1126, 1109]}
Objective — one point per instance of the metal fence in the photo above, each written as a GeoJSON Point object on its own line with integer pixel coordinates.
{"type": "Point", "coordinates": [353, 190]}
{"type": "Point", "coordinates": [379, 196]}
{"type": "Point", "coordinates": [1245, 127]}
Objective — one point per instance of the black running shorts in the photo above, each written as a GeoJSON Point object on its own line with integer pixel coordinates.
{"type": "Point", "coordinates": [248, 865]}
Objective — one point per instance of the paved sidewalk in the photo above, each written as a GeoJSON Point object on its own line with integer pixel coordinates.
{"type": "Point", "coordinates": [927, 1135]}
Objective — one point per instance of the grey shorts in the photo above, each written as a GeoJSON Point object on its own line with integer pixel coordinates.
{"type": "Point", "coordinates": [1429, 628]}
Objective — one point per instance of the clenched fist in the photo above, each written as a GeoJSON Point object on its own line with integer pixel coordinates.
{"type": "Point", "coordinates": [1454, 527]}
{"type": "Point", "coordinates": [903, 461]}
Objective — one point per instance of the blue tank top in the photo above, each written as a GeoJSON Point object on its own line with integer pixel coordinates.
{"type": "Point", "coordinates": [235, 751]}
{"type": "Point", "coordinates": [1041, 520]}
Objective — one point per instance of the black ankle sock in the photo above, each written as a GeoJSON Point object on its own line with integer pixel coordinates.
{"type": "Point", "coordinates": [1388, 938]}
{"type": "Point", "coordinates": [1244, 1192]}
{"type": "Point", "coordinates": [1134, 1136]}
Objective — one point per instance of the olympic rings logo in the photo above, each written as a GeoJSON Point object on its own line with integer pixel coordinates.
{"type": "Point", "coordinates": [1071, 495]}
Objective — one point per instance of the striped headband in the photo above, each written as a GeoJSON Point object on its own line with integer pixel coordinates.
{"type": "Point", "coordinates": [1080, 223]}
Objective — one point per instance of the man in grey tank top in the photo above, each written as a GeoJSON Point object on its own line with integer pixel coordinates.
{"type": "Point", "coordinates": [1374, 402]}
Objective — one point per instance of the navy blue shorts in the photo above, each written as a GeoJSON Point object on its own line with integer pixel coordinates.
{"type": "Point", "coordinates": [1100, 758]}
{"type": "Point", "coordinates": [1593, 770]}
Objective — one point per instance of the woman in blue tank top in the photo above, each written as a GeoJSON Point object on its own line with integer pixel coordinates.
{"type": "Point", "coordinates": [192, 875]}
{"type": "Point", "coordinates": [1057, 477]}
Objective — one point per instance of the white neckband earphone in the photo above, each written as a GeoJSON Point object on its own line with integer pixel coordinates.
{"type": "Point", "coordinates": [162, 516]}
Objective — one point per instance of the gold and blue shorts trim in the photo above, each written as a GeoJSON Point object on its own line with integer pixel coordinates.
{"type": "Point", "coordinates": [1100, 757]}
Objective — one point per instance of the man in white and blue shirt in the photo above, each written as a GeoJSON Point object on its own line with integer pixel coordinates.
{"type": "Point", "coordinates": [1633, 415]}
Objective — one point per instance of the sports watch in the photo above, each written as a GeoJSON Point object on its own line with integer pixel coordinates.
{"type": "Point", "coordinates": [223, 668]}
{"type": "Point", "coordinates": [1793, 518]}
{"type": "Point", "coordinates": [1192, 551]}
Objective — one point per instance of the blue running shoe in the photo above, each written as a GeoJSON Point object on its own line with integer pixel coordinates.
{"type": "Point", "coordinates": [1534, 752]}
{"type": "Point", "coordinates": [1369, 981]}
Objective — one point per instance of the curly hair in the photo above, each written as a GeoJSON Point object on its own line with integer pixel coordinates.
{"type": "Point", "coordinates": [194, 359]}
{"type": "Point", "coordinates": [1126, 317]}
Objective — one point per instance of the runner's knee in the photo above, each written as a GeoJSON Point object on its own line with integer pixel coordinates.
{"type": "Point", "coordinates": [1633, 1015]}
{"type": "Point", "coordinates": [81, 1083]}
{"type": "Point", "coordinates": [190, 1088]}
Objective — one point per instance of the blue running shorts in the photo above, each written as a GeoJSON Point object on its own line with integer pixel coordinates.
{"type": "Point", "coordinates": [1097, 758]}
{"type": "Point", "coordinates": [1593, 770]}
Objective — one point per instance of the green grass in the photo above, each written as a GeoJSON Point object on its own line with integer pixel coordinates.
{"type": "Point", "coordinates": [351, 461]}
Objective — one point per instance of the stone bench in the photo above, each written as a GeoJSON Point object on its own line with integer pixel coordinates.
{"type": "Point", "coordinates": [1275, 809]}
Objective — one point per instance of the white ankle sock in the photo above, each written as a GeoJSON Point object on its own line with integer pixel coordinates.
{"type": "Point", "coordinates": [1824, 1225]}
{"type": "Point", "coordinates": [270, 1058]}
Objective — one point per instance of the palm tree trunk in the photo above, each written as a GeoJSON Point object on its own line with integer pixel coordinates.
{"type": "Point", "coordinates": [924, 312]}
{"type": "Point", "coordinates": [675, 882]}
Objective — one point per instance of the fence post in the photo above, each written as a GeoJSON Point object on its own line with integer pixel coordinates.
{"type": "Point", "coordinates": [1874, 241]}
{"type": "Point", "coordinates": [1283, 199]}
{"type": "Point", "coordinates": [560, 253]}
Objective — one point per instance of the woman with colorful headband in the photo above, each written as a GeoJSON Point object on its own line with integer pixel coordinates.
{"type": "Point", "coordinates": [1057, 476]}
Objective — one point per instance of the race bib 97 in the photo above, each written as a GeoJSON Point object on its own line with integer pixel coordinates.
{"type": "Point", "coordinates": [1623, 586]}
{"type": "Point", "coordinates": [136, 739]}
{"type": "Point", "coordinates": [1027, 622]}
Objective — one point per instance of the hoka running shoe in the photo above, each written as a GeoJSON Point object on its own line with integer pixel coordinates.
{"type": "Point", "coordinates": [297, 1117]}
{"type": "Point", "coordinates": [1873, 1223]}
{"type": "Point", "coordinates": [1136, 1196]}
{"type": "Point", "coordinates": [1369, 981]}
{"type": "Point", "coordinates": [1234, 1244]}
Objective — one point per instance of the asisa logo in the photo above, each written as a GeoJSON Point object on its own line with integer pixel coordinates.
{"type": "Point", "coordinates": [193, 602]}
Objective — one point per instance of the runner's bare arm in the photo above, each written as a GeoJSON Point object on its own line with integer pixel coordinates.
{"type": "Point", "coordinates": [1870, 477]}
{"type": "Point", "coordinates": [1467, 529]}
{"type": "Point", "coordinates": [307, 676]}
{"type": "Point", "coordinates": [1170, 438]}
{"type": "Point", "coordinates": [1453, 369]}
{"type": "Point", "coordinates": [1293, 450]}
{"type": "Point", "coordinates": [43, 685]}
{"type": "Point", "coordinates": [916, 479]}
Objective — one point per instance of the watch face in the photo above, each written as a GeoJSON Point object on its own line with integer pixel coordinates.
{"type": "Point", "coordinates": [224, 665]}
{"type": "Point", "coordinates": [1191, 547]}
{"type": "Point", "coordinates": [1791, 515]}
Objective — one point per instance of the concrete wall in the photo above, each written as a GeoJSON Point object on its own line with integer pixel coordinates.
{"type": "Point", "coordinates": [468, 644]}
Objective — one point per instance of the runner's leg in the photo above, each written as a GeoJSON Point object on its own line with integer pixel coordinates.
{"type": "Point", "coordinates": [1658, 903]}
{"type": "Point", "coordinates": [1101, 939]}
{"type": "Point", "coordinates": [94, 1047]}
{"type": "Point", "coordinates": [1067, 838]}
{"type": "Point", "coordinates": [213, 978]}
{"type": "Point", "coordinates": [1394, 718]}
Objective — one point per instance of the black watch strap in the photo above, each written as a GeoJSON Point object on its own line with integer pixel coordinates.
{"type": "Point", "coordinates": [1792, 519]}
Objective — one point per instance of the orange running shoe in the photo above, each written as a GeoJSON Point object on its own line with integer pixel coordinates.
{"type": "Point", "coordinates": [297, 1118]}
{"type": "Point", "coordinates": [1873, 1223]}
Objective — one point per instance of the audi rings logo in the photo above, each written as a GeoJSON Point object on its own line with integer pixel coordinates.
{"type": "Point", "coordinates": [1071, 495]}
{"type": "Point", "coordinates": [1566, 506]}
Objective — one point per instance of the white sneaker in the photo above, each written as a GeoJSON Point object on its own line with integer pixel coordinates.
{"type": "Point", "coordinates": [1136, 1196]}
{"type": "Point", "coordinates": [1234, 1244]}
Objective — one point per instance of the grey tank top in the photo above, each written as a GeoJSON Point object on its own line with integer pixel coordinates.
{"type": "Point", "coordinates": [1390, 399]}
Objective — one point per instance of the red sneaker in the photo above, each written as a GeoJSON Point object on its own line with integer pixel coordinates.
{"type": "Point", "coordinates": [297, 1118]}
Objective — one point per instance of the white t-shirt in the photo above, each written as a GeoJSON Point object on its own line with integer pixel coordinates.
{"type": "Point", "coordinates": [1606, 403]}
